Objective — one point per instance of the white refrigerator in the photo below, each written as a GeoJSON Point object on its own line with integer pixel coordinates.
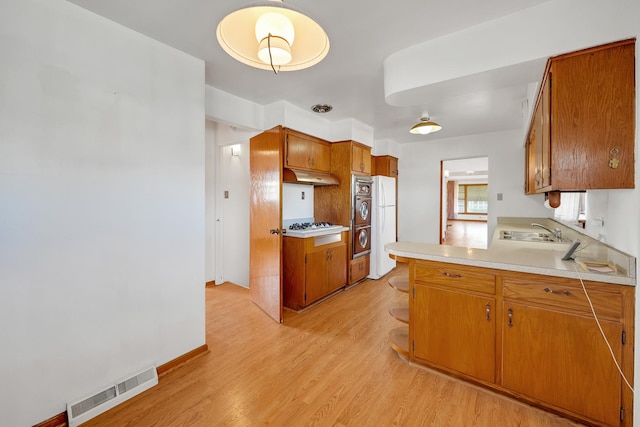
{"type": "Point", "coordinates": [383, 225]}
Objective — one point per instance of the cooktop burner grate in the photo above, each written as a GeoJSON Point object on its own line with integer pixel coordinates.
{"type": "Point", "coordinates": [309, 225]}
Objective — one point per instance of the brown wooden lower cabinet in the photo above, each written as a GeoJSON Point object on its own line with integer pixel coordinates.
{"type": "Point", "coordinates": [312, 269]}
{"type": "Point", "coordinates": [526, 335]}
{"type": "Point", "coordinates": [462, 338]}
{"type": "Point", "coordinates": [358, 268]}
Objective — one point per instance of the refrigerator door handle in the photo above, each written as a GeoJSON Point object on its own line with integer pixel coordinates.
{"type": "Point", "coordinates": [383, 194]}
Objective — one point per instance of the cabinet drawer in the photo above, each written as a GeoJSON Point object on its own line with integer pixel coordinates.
{"type": "Point", "coordinates": [455, 277]}
{"type": "Point", "coordinates": [564, 295]}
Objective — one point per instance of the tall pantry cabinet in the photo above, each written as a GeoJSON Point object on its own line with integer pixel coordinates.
{"type": "Point", "coordinates": [348, 158]}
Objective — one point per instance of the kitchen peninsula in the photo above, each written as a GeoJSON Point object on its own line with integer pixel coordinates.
{"type": "Point", "coordinates": [515, 318]}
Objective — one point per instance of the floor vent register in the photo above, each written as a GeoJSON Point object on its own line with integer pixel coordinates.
{"type": "Point", "coordinates": [88, 407]}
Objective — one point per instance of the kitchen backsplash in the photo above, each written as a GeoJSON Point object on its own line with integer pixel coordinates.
{"type": "Point", "coordinates": [297, 201]}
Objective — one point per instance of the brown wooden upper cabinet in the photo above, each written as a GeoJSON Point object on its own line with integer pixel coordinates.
{"type": "Point", "coordinates": [582, 132]}
{"type": "Point", "coordinates": [306, 152]}
{"type": "Point", "coordinates": [360, 158]}
{"type": "Point", "coordinates": [384, 165]}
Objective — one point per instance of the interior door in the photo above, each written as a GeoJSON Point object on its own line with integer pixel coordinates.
{"type": "Point", "coordinates": [265, 238]}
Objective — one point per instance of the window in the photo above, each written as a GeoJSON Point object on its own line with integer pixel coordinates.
{"type": "Point", "coordinates": [473, 199]}
{"type": "Point", "coordinates": [573, 208]}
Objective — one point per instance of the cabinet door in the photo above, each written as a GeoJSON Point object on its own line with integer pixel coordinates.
{"type": "Point", "coordinates": [384, 165]}
{"type": "Point", "coordinates": [359, 269]}
{"type": "Point", "coordinates": [593, 117]}
{"type": "Point", "coordinates": [393, 167]}
{"type": "Point", "coordinates": [530, 165]}
{"type": "Point", "coordinates": [538, 145]}
{"type": "Point", "coordinates": [297, 152]}
{"type": "Point", "coordinates": [545, 137]}
{"type": "Point", "coordinates": [361, 159]}
{"type": "Point", "coordinates": [455, 330]}
{"type": "Point", "coordinates": [316, 276]}
{"type": "Point", "coordinates": [356, 158]}
{"type": "Point", "coordinates": [562, 360]}
{"type": "Point", "coordinates": [337, 268]}
{"type": "Point", "coordinates": [321, 156]}
{"type": "Point", "coordinates": [302, 152]}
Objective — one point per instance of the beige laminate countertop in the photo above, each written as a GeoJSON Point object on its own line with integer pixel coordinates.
{"type": "Point", "coordinates": [527, 257]}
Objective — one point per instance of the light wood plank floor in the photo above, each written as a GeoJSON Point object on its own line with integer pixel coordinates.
{"type": "Point", "coordinates": [468, 234]}
{"type": "Point", "coordinates": [330, 365]}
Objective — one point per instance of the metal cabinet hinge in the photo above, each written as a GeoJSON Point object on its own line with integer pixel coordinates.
{"type": "Point", "coordinates": [624, 337]}
{"type": "Point", "coordinates": [413, 346]}
{"type": "Point", "coordinates": [305, 259]}
{"type": "Point", "coordinates": [622, 413]}
{"type": "Point", "coordinates": [414, 293]}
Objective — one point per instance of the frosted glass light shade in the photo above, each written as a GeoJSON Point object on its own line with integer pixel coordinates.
{"type": "Point", "coordinates": [238, 35]}
{"type": "Point", "coordinates": [276, 24]}
{"type": "Point", "coordinates": [274, 50]}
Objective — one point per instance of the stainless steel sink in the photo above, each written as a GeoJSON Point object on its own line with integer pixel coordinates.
{"type": "Point", "coordinates": [529, 236]}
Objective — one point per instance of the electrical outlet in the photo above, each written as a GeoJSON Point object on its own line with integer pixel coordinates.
{"type": "Point", "coordinates": [226, 194]}
{"type": "Point", "coordinates": [303, 195]}
{"type": "Point", "coordinates": [499, 196]}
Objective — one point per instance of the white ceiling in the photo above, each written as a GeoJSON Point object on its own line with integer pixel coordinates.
{"type": "Point", "coordinates": [362, 34]}
{"type": "Point", "coordinates": [460, 169]}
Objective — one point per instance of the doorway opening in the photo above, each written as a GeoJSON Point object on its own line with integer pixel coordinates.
{"type": "Point", "coordinates": [464, 202]}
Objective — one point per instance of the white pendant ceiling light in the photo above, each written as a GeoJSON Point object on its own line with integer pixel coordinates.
{"type": "Point", "coordinates": [271, 36]}
{"type": "Point", "coordinates": [425, 126]}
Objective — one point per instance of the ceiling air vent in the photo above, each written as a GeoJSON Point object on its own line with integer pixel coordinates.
{"type": "Point", "coordinates": [321, 108]}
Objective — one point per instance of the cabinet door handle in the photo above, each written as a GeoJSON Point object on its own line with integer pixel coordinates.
{"type": "Point", "coordinates": [488, 310]}
{"type": "Point", "coordinates": [551, 291]}
{"type": "Point", "coordinates": [510, 314]}
{"type": "Point", "coordinates": [454, 275]}
{"type": "Point", "coordinates": [275, 231]}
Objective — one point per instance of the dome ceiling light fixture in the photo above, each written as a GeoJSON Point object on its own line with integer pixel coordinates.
{"type": "Point", "coordinates": [321, 108]}
{"type": "Point", "coordinates": [271, 36]}
{"type": "Point", "coordinates": [425, 126]}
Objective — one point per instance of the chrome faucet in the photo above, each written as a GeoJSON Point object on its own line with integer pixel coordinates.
{"type": "Point", "coordinates": [557, 233]}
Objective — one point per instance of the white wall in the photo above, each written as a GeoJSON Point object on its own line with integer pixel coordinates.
{"type": "Point", "coordinates": [419, 189]}
{"type": "Point", "coordinates": [383, 147]}
{"type": "Point", "coordinates": [101, 205]}
{"type": "Point", "coordinates": [294, 206]}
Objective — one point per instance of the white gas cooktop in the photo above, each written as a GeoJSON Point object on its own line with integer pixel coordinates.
{"type": "Point", "coordinates": [308, 229]}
